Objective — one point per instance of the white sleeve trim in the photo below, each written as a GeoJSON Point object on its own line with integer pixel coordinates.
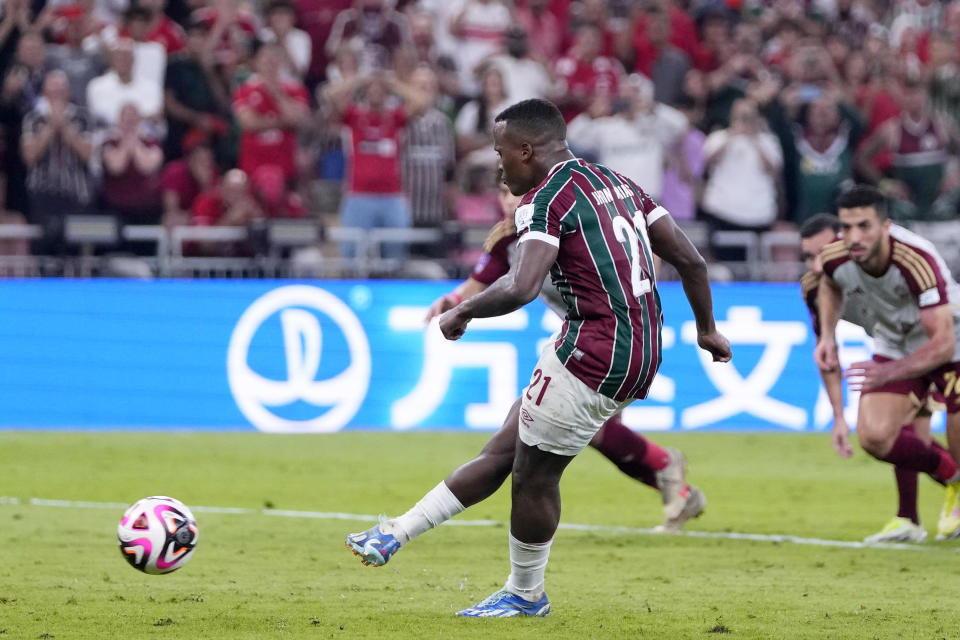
{"type": "Point", "coordinates": [656, 214]}
{"type": "Point", "coordinates": [540, 235]}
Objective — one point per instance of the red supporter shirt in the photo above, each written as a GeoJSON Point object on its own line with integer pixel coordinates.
{"type": "Point", "coordinates": [177, 177]}
{"type": "Point", "coordinates": [244, 27]}
{"type": "Point", "coordinates": [166, 32]}
{"type": "Point", "coordinates": [375, 157]}
{"type": "Point", "coordinates": [270, 146]}
{"type": "Point", "coordinates": [208, 208]}
{"type": "Point", "coordinates": [601, 77]}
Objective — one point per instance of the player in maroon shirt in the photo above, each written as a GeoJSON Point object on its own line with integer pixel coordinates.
{"type": "Point", "coordinates": [636, 456]}
{"type": "Point", "coordinates": [593, 230]}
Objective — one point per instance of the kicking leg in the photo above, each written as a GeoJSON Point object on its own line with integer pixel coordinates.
{"type": "Point", "coordinates": [467, 485]}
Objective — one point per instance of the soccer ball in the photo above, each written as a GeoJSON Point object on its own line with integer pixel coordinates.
{"type": "Point", "coordinates": [157, 534]}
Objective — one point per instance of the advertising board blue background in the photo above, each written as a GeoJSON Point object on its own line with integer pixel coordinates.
{"type": "Point", "coordinates": [320, 356]}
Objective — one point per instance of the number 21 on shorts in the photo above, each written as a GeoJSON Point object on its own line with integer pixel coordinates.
{"type": "Point", "coordinates": [535, 380]}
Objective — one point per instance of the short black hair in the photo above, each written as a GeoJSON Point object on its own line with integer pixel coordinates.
{"type": "Point", "coordinates": [136, 12]}
{"type": "Point", "coordinates": [863, 195]}
{"type": "Point", "coordinates": [817, 223]}
{"type": "Point", "coordinates": [536, 118]}
{"type": "Point", "coordinates": [280, 5]}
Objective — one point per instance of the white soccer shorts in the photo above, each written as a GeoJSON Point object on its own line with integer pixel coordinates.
{"type": "Point", "coordinates": [559, 413]}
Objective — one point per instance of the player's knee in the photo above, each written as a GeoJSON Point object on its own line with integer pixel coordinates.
{"type": "Point", "coordinates": [877, 441]}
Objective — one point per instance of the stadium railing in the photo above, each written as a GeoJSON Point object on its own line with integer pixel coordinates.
{"type": "Point", "coordinates": [301, 248]}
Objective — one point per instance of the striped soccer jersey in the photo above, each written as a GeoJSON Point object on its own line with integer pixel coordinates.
{"type": "Point", "coordinates": [917, 278]}
{"type": "Point", "coordinates": [598, 220]}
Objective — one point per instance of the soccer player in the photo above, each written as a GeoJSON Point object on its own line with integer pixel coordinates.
{"type": "Point", "coordinates": [636, 456]}
{"type": "Point", "coordinates": [885, 270]}
{"type": "Point", "coordinates": [594, 231]}
{"type": "Point", "coordinates": [817, 232]}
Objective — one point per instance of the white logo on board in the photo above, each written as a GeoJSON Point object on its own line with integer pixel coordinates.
{"type": "Point", "coordinates": [337, 398]}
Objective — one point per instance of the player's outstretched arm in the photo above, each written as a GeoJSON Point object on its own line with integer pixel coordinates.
{"type": "Point", "coordinates": [829, 301]}
{"type": "Point", "coordinates": [464, 291]}
{"type": "Point", "coordinates": [670, 243]}
{"type": "Point", "coordinates": [840, 434]}
{"type": "Point", "coordinates": [510, 292]}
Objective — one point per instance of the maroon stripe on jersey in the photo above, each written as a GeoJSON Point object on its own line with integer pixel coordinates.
{"type": "Point", "coordinates": [638, 318]}
{"type": "Point", "coordinates": [920, 270]}
{"type": "Point", "coordinates": [833, 255]}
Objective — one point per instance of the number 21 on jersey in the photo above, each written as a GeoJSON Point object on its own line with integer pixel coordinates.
{"type": "Point", "coordinates": [625, 231]}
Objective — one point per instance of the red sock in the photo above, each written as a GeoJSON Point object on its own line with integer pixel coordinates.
{"type": "Point", "coordinates": [632, 453]}
{"type": "Point", "coordinates": [912, 453]}
{"type": "Point", "coordinates": [907, 489]}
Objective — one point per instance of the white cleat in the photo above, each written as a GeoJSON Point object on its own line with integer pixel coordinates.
{"type": "Point", "coordinates": [694, 503]}
{"type": "Point", "coordinates": [898, 530]}
{"type": "Point", "coordinates": [672, 482]}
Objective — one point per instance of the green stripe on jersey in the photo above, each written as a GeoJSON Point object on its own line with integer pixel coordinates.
{"type": "Point", "coordinates": [541, 201]}
{"type": "Point", "coordinates": [612, 284]}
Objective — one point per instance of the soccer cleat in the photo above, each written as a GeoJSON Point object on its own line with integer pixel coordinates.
{"type": "Point", "coordinates": [949, 525]}
{"type": "Point", "coordinates": [374, 547]}
{"type": "Point", "coordinates": [694, 503]}
{"type": "Point", "coordinates": [672, 482]}
{"type": "Point", "coordinates": [504, 604]}
{"type": "Point", "coordinates": [898, 530]}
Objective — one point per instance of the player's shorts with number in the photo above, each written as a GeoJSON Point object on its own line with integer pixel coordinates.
{"type": "Point", "coordinates": [560, 414]}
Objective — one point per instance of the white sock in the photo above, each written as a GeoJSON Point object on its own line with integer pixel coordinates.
{"type": "Point", "coordinates": [438, 506]}
{"type": "Point", "coordinates": [528, 563]}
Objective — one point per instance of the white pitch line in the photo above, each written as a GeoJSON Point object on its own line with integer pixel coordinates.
{"type": "Point", "coordinates": [329, 515]}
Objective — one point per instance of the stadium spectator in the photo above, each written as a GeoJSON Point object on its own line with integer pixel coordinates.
{"type": "Point", "coordinates": [195, 95]}
{"type": "Point", "coordinates": [822, 147]}
{"type": "Point", "coordinates": [478, 29]}
{"type": "Point", "coordinates": [373, 30]}
{"type": "Point", "coordinates": [57, 149]}
{"type": "Point", "coordinates": [474, 122]}
{"type": "Point", "coordinates": [743, 162]}
{"type": "Point", "coordinates": [149, 56]}
{"type": "Point", "coordinates": [535, 17]}
{"type": "Point", "coordinates": [683, 175]}
{"type": "Point", "coordinates": [584, 74]}
{"type": "Point", "coordinates": [132, 162]}
{"type": "Point", "coordinates": [11, 246]}
{"type": "Point", "coordinates": [428, 157]}
{"type": "Point", "coordinates": [374, 196]}
{"type": "Point", "coordinates": [682, 34]}
{"type": "Point", "coordinates": [232, 31]}
{"type": "Point", "coordinates": [184, 179]}
{"type": "Point", "coordinates": [20, 92]}
{"type": "Point", "coordinates": [269, 110]}
{"type": "Point", "coordinates": [228, 203]}
{"type": "Point", "coordinates": [16, 19]}
{"type": "Point", "coordinates": [160, 28]}
{"type": "Point", "coordinates": [631, 134]}
{"type": "Point", "coordinates": [595, 13]}
{"type": "Point", "coordinates": [297, 48]}
{"type": "Point", "coordinates": [423, 36]}
{"type": "Point", "coordinates": [80, 64]}
{"type": "Point", "coordinates": [316, 18]}
{"type": "Point", "coordinates": [661, 61]}
{"type": "Point", "coordinates": [920, 143]}
{"type": "Point", "coordinates": [524, 77]}
{"type": "Point", "coordinates": [106, 94]}
{"type": "Point", "coordinates": [944, 73]}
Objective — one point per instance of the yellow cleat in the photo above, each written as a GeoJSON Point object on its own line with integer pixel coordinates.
{"type": "Point", "coordinates": [898, 530]}
{"type": "Point", "coordinates": [949, 525]}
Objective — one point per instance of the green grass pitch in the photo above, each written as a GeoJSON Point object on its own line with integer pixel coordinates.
{"type": "Point", "coordinates": [257, 575]}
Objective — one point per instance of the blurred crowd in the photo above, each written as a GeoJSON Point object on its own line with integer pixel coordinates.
{"type": "Point", "coordinates": [740, 114]}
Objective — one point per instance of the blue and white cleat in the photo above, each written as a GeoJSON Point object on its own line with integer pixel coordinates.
{"type": "Point", "coordinates": [374, 547]}
{"type": "Point", "coordinates": [504, 604]}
